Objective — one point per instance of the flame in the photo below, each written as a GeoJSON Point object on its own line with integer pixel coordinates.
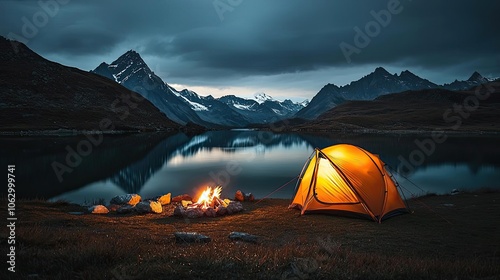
{"type": "Point", "coordinates": [208, 196]}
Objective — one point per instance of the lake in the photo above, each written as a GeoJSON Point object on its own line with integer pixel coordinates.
{"type": "Point", "coordinates": [89, 168]}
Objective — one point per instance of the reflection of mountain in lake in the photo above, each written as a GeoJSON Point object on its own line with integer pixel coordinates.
{"type": "Point", "coordinates": [133, 177]}
{"type": "Point", "coordinates": [130, 161]}
{"type": "Point", "coordinates": [34, 156]}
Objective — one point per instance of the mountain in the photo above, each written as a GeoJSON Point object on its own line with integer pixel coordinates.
{"type": "Point", "coordinates": [429, 109]}
{"type": "Point", "coordinates": [37, 94]}
{"type": "Point", "coordinates": [131, 71]}
{"type": "Point", "coordinates": [375, 84]}
{"type": "Point", "coordinates": [185, 106]}
{"type": "Point", "coordinates": [212, 110]}
{"type": "Point", "coordinates": [261, 97]}
{"type": "Point", "coordinates": [474, 80]}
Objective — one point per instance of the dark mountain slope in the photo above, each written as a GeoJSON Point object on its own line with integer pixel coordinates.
{"type": "Point", "coordinates": [37, 94]}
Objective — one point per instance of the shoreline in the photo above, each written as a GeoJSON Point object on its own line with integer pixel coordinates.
{"type": "Point", "coordinates": [429, 243]}
{"type": "Point", "coordinates": [76, 132]}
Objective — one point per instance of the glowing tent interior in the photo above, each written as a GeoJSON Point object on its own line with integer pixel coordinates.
{"type": "Point", "coordinates": [346, 179]}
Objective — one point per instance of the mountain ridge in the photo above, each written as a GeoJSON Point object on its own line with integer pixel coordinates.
{"type": "Point", "coordinates": [185, 106]}
{"type": "Point", "coordinates": [375, 84]}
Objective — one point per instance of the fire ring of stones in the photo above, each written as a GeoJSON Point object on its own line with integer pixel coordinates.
{"type": "Point", "coordinates": [209, 204]}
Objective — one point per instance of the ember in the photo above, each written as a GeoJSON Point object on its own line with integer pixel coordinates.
{"type": "Point", "coordinates": [209, 204]}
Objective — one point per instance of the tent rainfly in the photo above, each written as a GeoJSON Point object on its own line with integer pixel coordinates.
{"type": "Point", "coordinates": [346, 179]}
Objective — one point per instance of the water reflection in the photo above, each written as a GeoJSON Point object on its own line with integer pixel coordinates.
{"type": "Point", "coordinates": [254, 161]}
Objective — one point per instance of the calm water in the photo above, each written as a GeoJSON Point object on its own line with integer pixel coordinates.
{"type": "Point", "coordinates": [253, 161]}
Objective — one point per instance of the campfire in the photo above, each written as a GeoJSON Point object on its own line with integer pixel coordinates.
{"type": "Point", "coordinates": [208, 204]}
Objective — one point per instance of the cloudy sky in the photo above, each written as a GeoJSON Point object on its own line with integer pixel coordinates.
{"type": "Point", "coordinates": [286, 48]}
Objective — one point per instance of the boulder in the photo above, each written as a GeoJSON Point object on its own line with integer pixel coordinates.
{"type": "Point", "coordinates": [130, 199]}
{"type": "Point", "coordinates": [239, 196]}
{"type": "Point", "coordinates": [165, 199]}
{"type": "Point", "coordinates": [98, 209]}
{"type": "Point", "coordinates": [125, 209]}
{"type": "Point", "coordinates": [179, 211]}
{"type": "Point", "coordinates": [145, 207]}
{"type": "Point", "coordinates": [180, 198]}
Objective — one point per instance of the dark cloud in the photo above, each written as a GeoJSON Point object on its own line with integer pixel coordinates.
{"type": "Point", "coordinates": [188, 39]}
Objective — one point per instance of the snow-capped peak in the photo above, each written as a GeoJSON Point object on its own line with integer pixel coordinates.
{"type": "Point", "coordinates": [262, 97]}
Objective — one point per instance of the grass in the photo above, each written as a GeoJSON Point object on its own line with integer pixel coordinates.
{"type": "Point", "coordinates": [438, 241]}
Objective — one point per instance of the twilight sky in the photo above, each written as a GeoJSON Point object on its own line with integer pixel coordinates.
{"type": "Point", "coordinates": [286, 48]}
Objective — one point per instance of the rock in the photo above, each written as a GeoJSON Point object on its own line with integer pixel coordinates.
{"type": "Point", "coordinates": [130, 199]}
{"type": "Point", "coordinates": [125, 209]}
{"type": "Point", "coordinates": [165, 199]}
{"type": "Point", "coordinates": [221, 210]}
{"type": "Point", "coordinates": [249, 197]}
{"type": "Point", "coordinates": [191, 237]}
{"type": "Point", "coordinates": [455, 191]}
{"type": "Point", "coordinates": [113, 207]}
{"type": "Point", "coordinates": [185, 203]}
{"type": "Point", "coordinates": [210, 212]}
{"type": "Point", "coordinates": [179, 211]}
{"type": "Point", "coordinates": [234, 207]}
{"type": "Point", "coordinates": [239, 196]}
{"type": "Point", "coordinates": [180, 198]}
{"type": "Point", "coordinates": [98, 209]}
{"type": "Point", "coordinates": [242, 236]}
{"type": "Point", "coordinates": [145, 207]}
{"type": "Point", "coordinates": [193, 213]}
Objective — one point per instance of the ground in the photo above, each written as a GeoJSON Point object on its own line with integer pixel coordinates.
{"type": "Point", "coordinates": [446, 237]}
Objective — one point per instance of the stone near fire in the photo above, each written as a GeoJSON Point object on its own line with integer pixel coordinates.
{"type": "Point", "coordinates": [249, 197]}
{"type": "Point", "coordinates": [130, 199]}
{"type": "Point", "coordinates": [234, 207]}
{"type": "Point", "coordinates": [165, 199]}
{"type": "Point", "coordinates": [190, 237]}
{"type": "Point", "coordinates": [179, 211]}
{"type": "Point", "coordinates": [239, 196]}
{"type": "Point", "coordinates": [125, 209]}
{"type": "Point", "coordinates": [193, 213]}
{"type": "Point", "coordinates": [98, 209]}
{"type": "Point", "coordinates": [221, 210]}
{"type": "Point", "coordinates": [113, 207]}
{"type": "Point", "coordinates": [180, 198]}
{"type": "Point", "coordinates": [210, 212]}
{"type": "Point", "coordinates": [185, 203]}
{"type": "Point", "coordinates": [145, 207]}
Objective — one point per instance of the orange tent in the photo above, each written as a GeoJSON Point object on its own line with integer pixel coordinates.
{"type": "Point", "coordinates": [347, 179]}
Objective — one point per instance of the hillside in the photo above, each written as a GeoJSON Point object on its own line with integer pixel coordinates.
{"type": "Point", "coordinates": [433, 109]}
{"type": "Point", "coordinates": [40, 95]}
